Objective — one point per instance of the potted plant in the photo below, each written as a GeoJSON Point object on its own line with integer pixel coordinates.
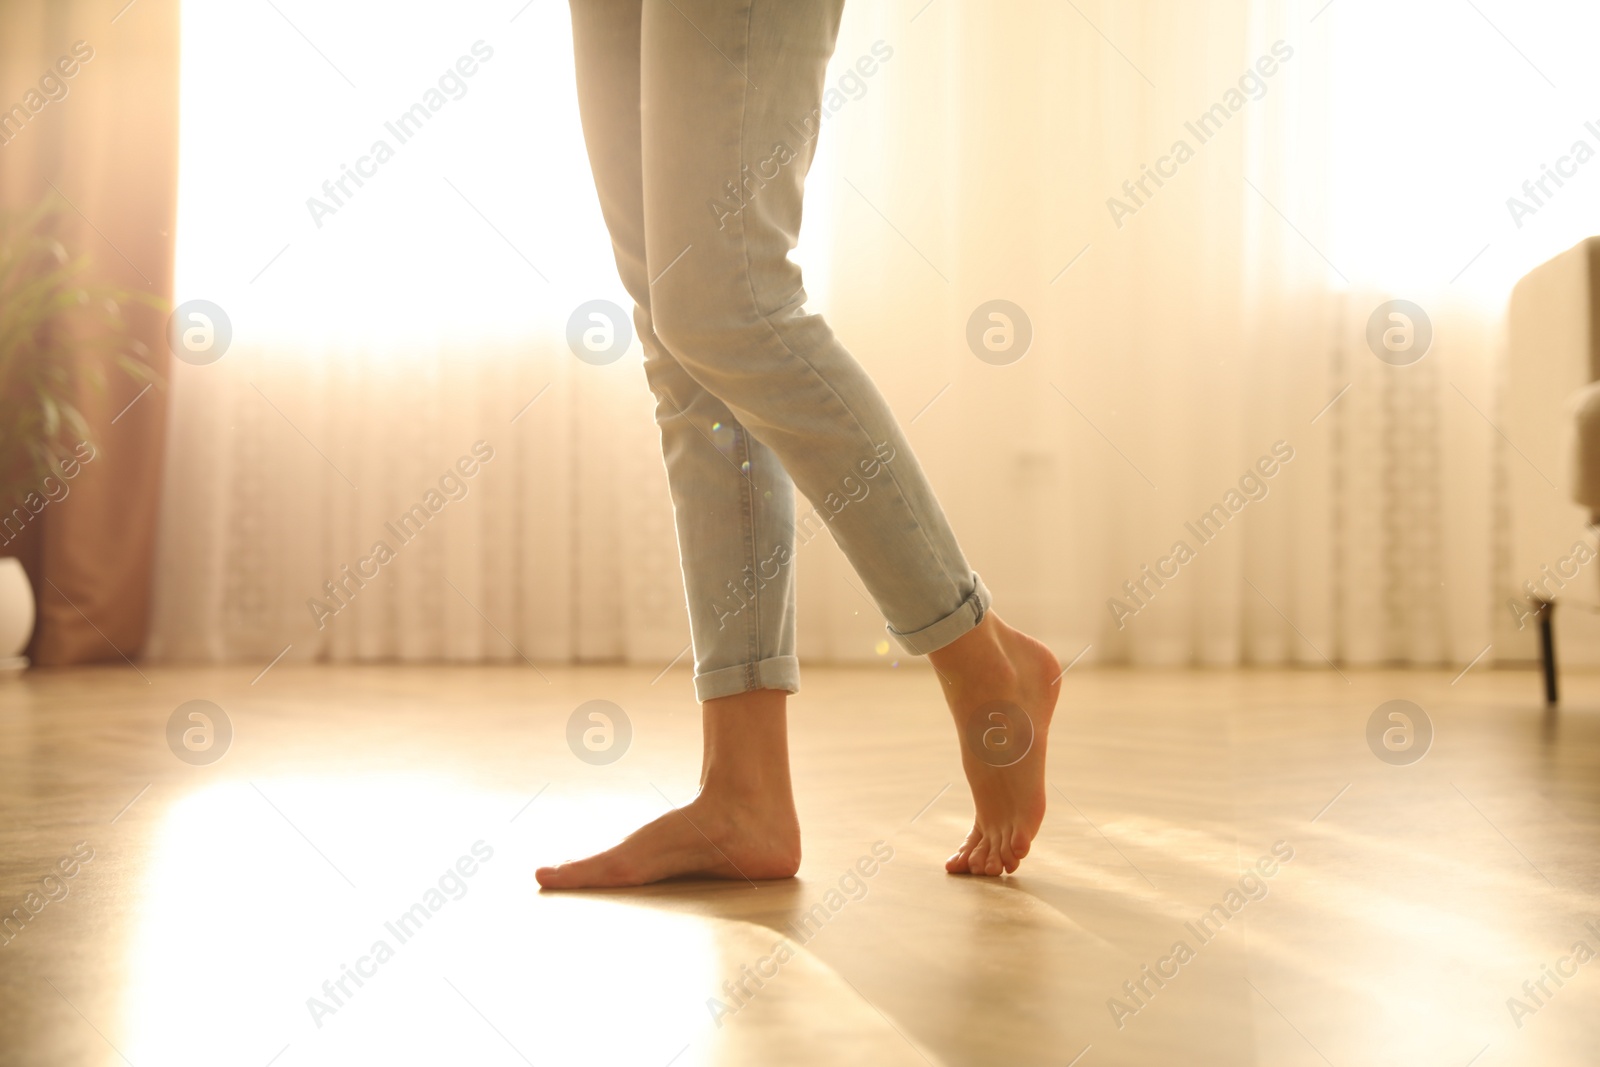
{"type": "Point", "coordinates": [59, 333]}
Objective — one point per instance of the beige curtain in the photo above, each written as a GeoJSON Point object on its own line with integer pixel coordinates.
{"type": "Point", "coordinates": [106, 151]}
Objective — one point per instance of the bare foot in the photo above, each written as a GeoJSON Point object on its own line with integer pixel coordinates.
{"type": "Point", "coordinates": [710, 837]}
{"type": "Point", "coordinates": [707, 838]}
{"type": "Point", "coordinates": [1001, 686]}
{"type": "Point", "coordinates": [742, 825]}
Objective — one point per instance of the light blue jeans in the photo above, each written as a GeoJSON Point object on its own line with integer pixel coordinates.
{"type": "Point", "coordinates": [701, 118]}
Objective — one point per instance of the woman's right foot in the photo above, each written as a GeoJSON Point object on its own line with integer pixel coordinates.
{"type": "Point", "coordinates": [1001, 686]}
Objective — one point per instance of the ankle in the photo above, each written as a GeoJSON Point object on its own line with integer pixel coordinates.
{"type": "Point", "coordinates": [747, 786]}
{"type": "Point", "coordinates": [746, 756]}
{"type": "Point", "coordinates": [977, 656]}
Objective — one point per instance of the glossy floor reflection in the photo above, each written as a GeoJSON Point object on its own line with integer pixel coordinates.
{"type": "Point", "coordinates": [1229, 874]}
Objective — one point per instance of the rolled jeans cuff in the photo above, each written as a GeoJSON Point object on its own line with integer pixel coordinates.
{"type": "Point", "coordinates": [964, 618]}
{"type": "Point", "coordinates": [778, 672]}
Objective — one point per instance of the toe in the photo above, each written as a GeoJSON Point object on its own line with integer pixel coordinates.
{"type": "Point", "coordinates": [1008, 858]}
{"type": "Point", "coordinates": [595, 871]}
{"type": "Point", "coordinates": [978, 859]}
{"type": "Point", "coordinates": [961, 861]}
{"type": "Point", "coordinates": [993, 864]}
{"type": "Point", "coordinates": [552, 877]}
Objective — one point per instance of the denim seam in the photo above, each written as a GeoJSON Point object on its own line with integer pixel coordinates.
{"type": "Point", "coordinates": [763, 677]}
{"type": "Point", "coordinates": [973, 603]}
{"type": "Point", "coordinates": [752, 647]}
{"type": "Point", "coordinates": [748, 516]}
{"type": "Point", "coordinates": [755, 305]}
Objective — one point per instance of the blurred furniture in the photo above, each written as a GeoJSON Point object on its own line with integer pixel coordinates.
{"type": "Point", "coordinates": [16, 615]}
{"type": "Point", "coordinates": [1551, 419]}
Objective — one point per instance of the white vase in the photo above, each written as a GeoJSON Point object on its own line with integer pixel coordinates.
{"type": "Point", "coordinates": [16, 615]}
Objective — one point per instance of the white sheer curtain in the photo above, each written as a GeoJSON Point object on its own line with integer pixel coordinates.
{"type": "Point", "coordinates": [1170, 353]}
{"type": "Point", "coordinates": [374, 346]}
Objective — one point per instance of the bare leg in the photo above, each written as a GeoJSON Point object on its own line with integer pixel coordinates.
{"type": "Point", "coordinates": [994, 670]}
{"type": "Point", "coordinates": [741, 825]}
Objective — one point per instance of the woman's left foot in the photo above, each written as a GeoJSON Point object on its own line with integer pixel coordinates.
{"type": "Point", "coordinates": [752, 837]}
{"type": "Point", "coordinates": [1001, 686]}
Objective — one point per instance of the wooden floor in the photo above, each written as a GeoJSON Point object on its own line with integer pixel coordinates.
{"type": "Point", "coordinates": [1415, 902]}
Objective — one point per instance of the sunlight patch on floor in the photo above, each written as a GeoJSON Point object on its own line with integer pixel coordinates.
{"type": "Point", "coordinates": [266, 901]}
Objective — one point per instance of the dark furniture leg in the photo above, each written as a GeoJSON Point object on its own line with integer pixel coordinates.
{"type": "Point", "coordinates": [1547, 649]}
